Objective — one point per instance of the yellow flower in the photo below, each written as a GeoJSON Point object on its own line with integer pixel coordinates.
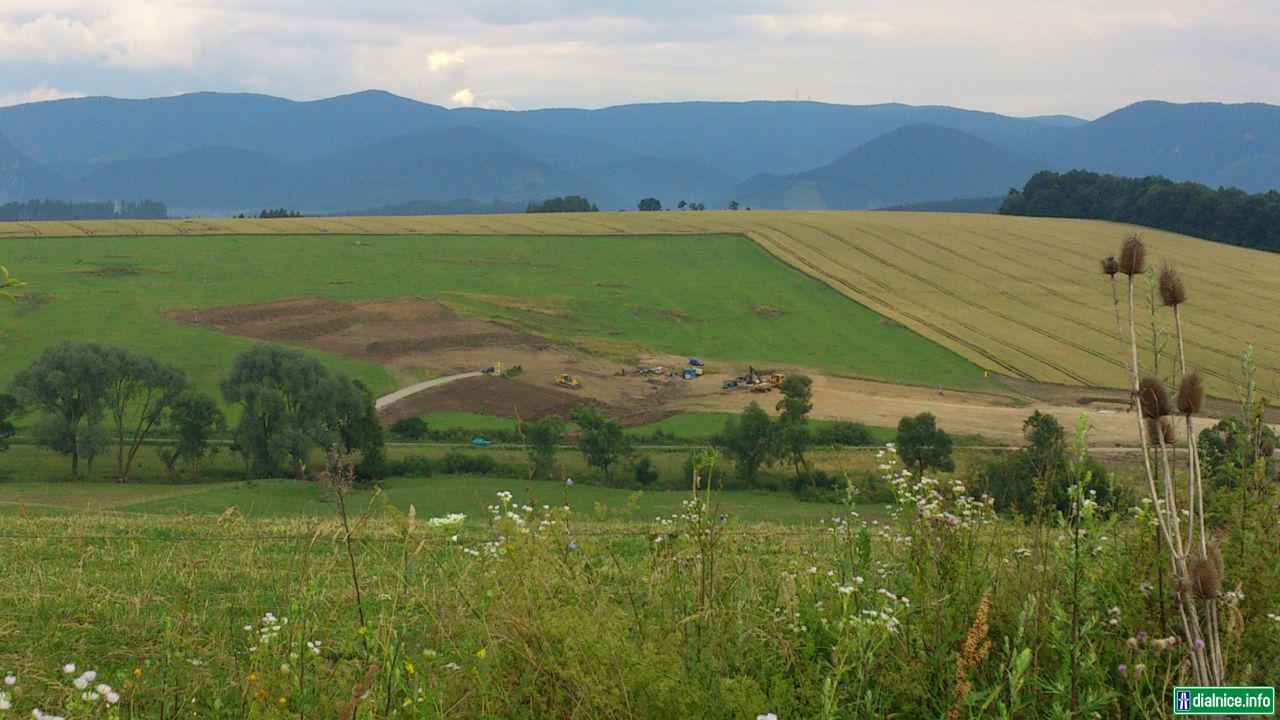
{"type": "Point", "coordinates": [137, 672]}
{"type": "Point", "coordinates": [283, 701]}
{"type": "Point", "coordinates": [364, 630]}
{"type": "Point", "coordinates": [408, 667]}
{"type": "Point", "coordinates": [480, 654]}
{"type": "Point", "coordinates": [253, 677]}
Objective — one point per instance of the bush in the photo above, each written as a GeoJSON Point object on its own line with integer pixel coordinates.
{"type": "Point", "coordinates": [457, 463]}
{"type": "Point", "coordinates": [645, 473]}
{"type": "Point", "coordinates": [413, 429]}
{"type": "Point", "coordinates": [419, 466]}
{"type": "Point", "coordinates": [843, 433]}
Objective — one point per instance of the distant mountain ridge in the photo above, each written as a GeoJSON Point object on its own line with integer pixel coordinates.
{"type": "Point", "coordinates": [215, 153]}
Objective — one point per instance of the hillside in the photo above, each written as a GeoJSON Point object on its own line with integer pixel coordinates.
{"type": "Point", "coordinates": [914, 164]}
{"type": "Point", "coordinates": [1020, 296]}
{"type": "Point", "coordinates": [91, 148]}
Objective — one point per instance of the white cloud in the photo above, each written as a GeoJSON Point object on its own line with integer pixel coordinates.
{"type": "Point", "coordinates": [1031, 57]}
{"type": "Point", "coordinates": [440, 60]}
{"type": "Point", "coordinates": [39, 93]}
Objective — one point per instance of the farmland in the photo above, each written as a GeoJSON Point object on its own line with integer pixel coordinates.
{"type": "Point", "coordinates": [1019, 296]}
{"type": "Point", "coordinates": [719, 296]}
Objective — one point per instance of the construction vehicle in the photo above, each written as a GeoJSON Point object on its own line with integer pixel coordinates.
{"type": "Point", "coordinates": [695, 362]}
{"type": "Point", "coordinates": [565, 380]}
{"type": "Point", "coordinates": [730, 384]}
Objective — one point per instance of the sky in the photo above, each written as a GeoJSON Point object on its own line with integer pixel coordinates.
{"type": "Point", "coordinates": [1026, 57]}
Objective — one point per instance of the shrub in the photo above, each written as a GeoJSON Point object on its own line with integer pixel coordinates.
{"type": "Point", "coordinates": [412, 429]}
{"type": "Point", "coordinates": [458, 463]}
{"type": "Point", "coordinates": [645, 473]}
{"type": "Point", "coordinates": [843, 433]}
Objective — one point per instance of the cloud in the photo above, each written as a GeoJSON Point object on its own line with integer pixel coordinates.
{"type": "Point", "coordinates": [39, 93]}
{"type": "Point", "coordinates": [1031, 57]}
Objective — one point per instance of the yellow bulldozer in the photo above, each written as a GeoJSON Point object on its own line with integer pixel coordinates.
{"type": "Point", "coordinates": [565, 380]}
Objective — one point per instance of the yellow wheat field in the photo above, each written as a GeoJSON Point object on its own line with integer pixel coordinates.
{"type": "Point", "coordinates": [1020, 296]}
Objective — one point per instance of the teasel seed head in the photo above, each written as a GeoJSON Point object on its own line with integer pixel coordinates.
{"type": "Point", "coordinates": [1190, 394]}
{"type": "Point", "coordinates": [1109, 266]}
{"type": "Point", "coordinates": [1205, 571]}
{"type": "Point", "coordinates": [1172, 291]}
{"type": "Point", "coordinates": [1133, 256]}
{"type": "Point", "coordinates": [1266, 448]}
{"type": "Point", "coordinates": [1160, 431]}
{"type": "Point", "coordinates": [1153, 399]}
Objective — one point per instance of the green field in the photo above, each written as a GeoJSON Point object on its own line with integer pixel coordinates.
{"type": "Point", "coordinates": [720, 296]}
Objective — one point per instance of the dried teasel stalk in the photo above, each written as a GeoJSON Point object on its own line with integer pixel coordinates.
{"type": "Point", "coordinates": [1153, 399]}
{"type": "Point", "coordinates": [1172, 292]}
{"type": "Point", "coordinates": [1133, 256]}
{"type": "Point", "coordinates": [1204, 572]}
{"type": "Point", "coordinates": [1161, 431]}
{"type": "Point", "coordinates": [1109, 266]}
{"type": "Point", "coordinates": [1190, 394]}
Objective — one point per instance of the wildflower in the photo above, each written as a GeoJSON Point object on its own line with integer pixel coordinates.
{"type": "Point", "coordinates": [573, 545]}
{"type": "Point", "coordinates": [1139, 669]}
{"type": "Point", "coordinates": [1123, 670]}
{"type": "Point", "coordinates": [568, 482]}
{"type": "Point", "coordinates": [1142, 636]}
{"type": "Point", "coordinates": [5, 703]}
{"type": "Point", "coordinates": [137, 672]}
{"type": "Point", "coordinates": [113, 697]}
{"type": "Point", "coordinates": [480, 654]}
{"type": "Point", "coordinates": [10, 679]}
{"type": "Point", "coordinates": [767, 716]}
{"type": "Point", "coordinates": [447, 521]}
{"type": "Point", "coordinates": [1145, 588]}
{"type": "Point", "coordinates": [68, 668]}
{"type": "Point", "coordinates": [283, 701]}
{"type": "Point", "coordinates": [408, 667]}
{"type": "Point", "coordinates": [1198, 643]}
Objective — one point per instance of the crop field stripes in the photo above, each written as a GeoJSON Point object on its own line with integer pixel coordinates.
{"type": "Point", "coordinates": [1022, 296]}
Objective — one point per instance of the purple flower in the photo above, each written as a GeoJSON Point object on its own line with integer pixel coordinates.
{"type": "Point", "coordinates": [1142, 636]}
{"type": "Point", "coordinates": [568, 482]}
{"type": "Point", "coordinates": [1123, 669]}
{"type": "Point", "coordinates": [1198, 643]}
{"type": "Point", "coordinates": [573, 545]}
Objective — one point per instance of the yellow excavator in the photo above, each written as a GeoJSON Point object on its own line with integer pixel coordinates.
{"type": "Point", "coordinates": [565, 380]}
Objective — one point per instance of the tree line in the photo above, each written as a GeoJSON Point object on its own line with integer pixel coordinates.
{"type": "Point", "coordinates": [1226, 215]}
{"type": "Point", "coordinates": [35, 210]}
{"type": "Point", "coordinates": [88, 398]}
{"type": "Point", "coordinates": [569, 203]}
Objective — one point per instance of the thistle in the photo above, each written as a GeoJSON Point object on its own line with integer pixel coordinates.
{"type": "Point", "coordinates": [1190, 394]}
{"type": "Point", "coordinates": [1205, 573]}
{"type": "Point", "coordinates": [1172, 292]}
{"type": "Point", "coordinates": [1133, 256]}
{"type": "Point", "coordinates": [1153, 399]}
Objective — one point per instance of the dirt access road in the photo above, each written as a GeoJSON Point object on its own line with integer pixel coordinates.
{"type": "Point", "coordinates": [415, 388]}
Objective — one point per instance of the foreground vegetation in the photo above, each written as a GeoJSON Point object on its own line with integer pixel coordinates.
{"type": "Point", "coordinates": [531, 610]}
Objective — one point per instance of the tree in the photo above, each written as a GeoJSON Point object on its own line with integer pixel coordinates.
{"type": "Point", "coordinates": [749, 442]}
{"type": "Point", "coordinates": [649, 205]}
{"type": "Point", "coordinates": [681, 205]}
{"type": "Point", "coordinates": [645, 473]}
{"type": "Point", "coordinates": [139, 391]}
{"type": "Point", "coordinates": [543, 439]}
{"type": "Point", "coordinates": [733, 205]}
{"type": "Point", "coordinates": [601, 439]}
{"type": "Point", "coordinates": [569, 203]}
{"type": "Point", "coordinates": [67, 384]}
{"type": "Point", "coordinates": [194, 419]}
{"type": "Point", "coordinates": [793, 436]}
{"type": "Point", "coordinates": [293, 404]}
{"type": "Point", "coordinates": [8, 408]}
{"type": "Point", "coordinates": [923, 445]}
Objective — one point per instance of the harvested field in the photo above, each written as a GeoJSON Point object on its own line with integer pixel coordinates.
{"type": "Point", "coordinates": [487, 395]}
{"type": "Point", "coordinates": [1019, 296]}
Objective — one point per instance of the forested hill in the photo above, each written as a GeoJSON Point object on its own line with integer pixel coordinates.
{"type": "Point", "coordinates": [1226, 215]}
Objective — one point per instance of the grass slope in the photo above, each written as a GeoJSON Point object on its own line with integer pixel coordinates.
{"type": "Point", "coordinates": [1021, 296]}
{"type": "Point", "coordinates": [705, 295]}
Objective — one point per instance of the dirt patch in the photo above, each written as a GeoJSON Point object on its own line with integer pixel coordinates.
{"type": "Point", "coordinates": [390, 332]}
{"type": "Point", "coordinates": [116, 270]}
{"type": "Point", "coordinates": [489, 395]}
{"type": "Point", "coordinates": [767, 311]}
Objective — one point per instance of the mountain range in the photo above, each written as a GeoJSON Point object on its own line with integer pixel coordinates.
{"type": "Point", "coordinates": [217, 153]}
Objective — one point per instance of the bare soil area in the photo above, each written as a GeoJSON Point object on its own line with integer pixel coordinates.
{"type": "Point", "coordinates": [427, 337]}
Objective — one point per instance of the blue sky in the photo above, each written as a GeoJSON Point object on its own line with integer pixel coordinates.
{"type": "Point", "coordinates": [1022, 58]}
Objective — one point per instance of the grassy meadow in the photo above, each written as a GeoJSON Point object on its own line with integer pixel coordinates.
{"type": "Point", "coordinates": [720, 297]}
{"type": "Point", "coordinates": [1022, 296]}
{"type": "Point", "coordinates": [540, 603]}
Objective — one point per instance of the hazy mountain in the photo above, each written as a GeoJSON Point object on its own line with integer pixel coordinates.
{"type": "Point", "coordinates": [909, 165]}
{"type": "Point", "coordinates": [218, 153]}
{"type": "Point", "coordinates": [23, 179]}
